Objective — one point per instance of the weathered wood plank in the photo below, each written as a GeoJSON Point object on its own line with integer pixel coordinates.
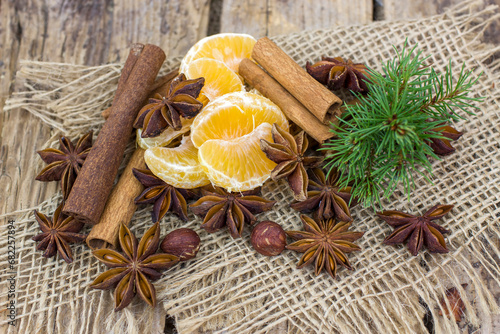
{"type": "Point", "coordinates": [247, 16]}
{"type": "Point", "coordinates": [270, 18]}
{"type": "Point", "coordinates": [9, 46]}
{"type": "Point", "coordinates": [401, 10]}
{"type": "Point", "coordinates": [293, 16]}
{"type": "Point", "coordinates": [173, 25]}
{"type": "Point", "coordinates": [20, 133]}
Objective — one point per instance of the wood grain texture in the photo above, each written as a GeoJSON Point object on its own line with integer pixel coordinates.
{"type": "Point", "coordinates": [286, 16]}
{"type": "Point", "coordinates": [247, 16]}
{"type": "Point", "coordinates": [401, 10]}
{"type": "Point", "coordinates": [269, 18]}
{"type": "Point", "coordinates": [173, 25]}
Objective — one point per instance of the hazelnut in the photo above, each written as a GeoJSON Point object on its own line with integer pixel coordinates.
{"type": "Point", "coordinates": [268, 238]}
{"type": "Point", "coordinates": [183, 242]}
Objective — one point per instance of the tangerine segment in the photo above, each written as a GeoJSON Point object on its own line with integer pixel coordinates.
{"type": "Point", "coordinates": [234, 115]}
{"type": "Point", "coordinates": [219, 79]}
{"type": "Point", "coordinates": [237, 164]}
{"type": "Point", "coordinates": [166, 137]}
{"type": "Point", "coordinates": [227, 48]}
{"type": "Point", "coordinates": [177, 166]}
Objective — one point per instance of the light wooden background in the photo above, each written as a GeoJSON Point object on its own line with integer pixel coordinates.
{"type": "Point", "coordinates": [93, 32]}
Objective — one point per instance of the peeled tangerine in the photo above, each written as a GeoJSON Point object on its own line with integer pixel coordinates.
{"type": "Point", "coordinates": [177, 166]}
{"type": "Point", "coordinates": [227, 48]}
{"type": "Point", "coordinates": [227, 133]}
{"type": "Point", "coordinates": [219, 79]}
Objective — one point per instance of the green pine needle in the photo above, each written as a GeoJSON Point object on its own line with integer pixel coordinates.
{"type": "Point", "coordinates": [384, 140]}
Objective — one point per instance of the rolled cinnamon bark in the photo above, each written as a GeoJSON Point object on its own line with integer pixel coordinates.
{"type": "Point", "coordinates": [93, 185]}
{"type": "Point", "coordinates": [133, 56]}
{"type": "Point", "coordinates": [321, 102]}
{"type": "Point", "coordinates": [120, 206]}
{"type": "Point", "coordinates": [292, 108]}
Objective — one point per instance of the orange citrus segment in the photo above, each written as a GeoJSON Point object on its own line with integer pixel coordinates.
{"type": "Point", "coordinates": [177, 166]}
{"type": "Point", "coordinates": [234, 115]}
{"type": "Point", "coordinates": [219, 79]}
{"type": "Point", "coordinates": [238, 164]}
{"type": "Point", "coordinates": [228, 48]}
{"type": "Point", "coordinates": [165, 137]}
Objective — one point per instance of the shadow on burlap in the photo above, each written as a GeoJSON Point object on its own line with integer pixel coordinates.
{"type": "Point", "coordinates": [231, 287]}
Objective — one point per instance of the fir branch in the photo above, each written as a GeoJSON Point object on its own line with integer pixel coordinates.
{"type": "Point", "coordinates": [445, 97]}
{"type": "Point", "coordinates": [384, 140]}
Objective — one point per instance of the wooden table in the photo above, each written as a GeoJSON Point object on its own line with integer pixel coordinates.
{"type": "Point", "coordinates": [93, 32]}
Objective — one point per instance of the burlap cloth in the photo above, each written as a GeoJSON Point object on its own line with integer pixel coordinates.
{"type": "Point", "coordinates": [228, 286]}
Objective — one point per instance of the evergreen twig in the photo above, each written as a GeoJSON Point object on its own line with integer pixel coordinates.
{"type": "Point", "coordinates": [384, 140]}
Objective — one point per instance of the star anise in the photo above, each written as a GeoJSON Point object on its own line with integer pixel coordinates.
{"type": "Point", "coordinates": [64, 163]}
{"type": "Point", "coordinates": [337, 73]}
{"type": "Point", "coordinates": [164, 196]}
{"type": "Point", "coordinates": [456, 303]}
{"type": "Point", "coordinates": [221, 208]}
{"type": "Point", "coordinates": [324, 243]}
{"type": "Point", "coordinates": [57, 234]}
{"type": "Point", "coordinates": [417, 230]}
{"type": "Point", "coordinates": [442, 146]}
{"type": "Point", "coordinates": [162, 112]}
{"type": "Point", "coordinates": [133, 270]}
{"type": "Point", "coordinates": [326, 196]}
{"type": "Point", "coordinates": [289, 153]}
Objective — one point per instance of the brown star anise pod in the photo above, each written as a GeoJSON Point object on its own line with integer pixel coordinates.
{"type": "Point", "coordinates": [221, 208]}
{"type": "Point", "coordinates": [442, 146]}
{"type": "Point", "coordinates": [133, 270]}
{"type": "Point", "coordinates": [164, 196]}
{"type": "Point", "coordinates": [325, 195]}
{"type": "Point", "coordinates": [337, 73]}
{"type": "Point", "coordinates": [324, 242]}
{"type": "Point", "coordinates": [162, 112]}
{"type": "Point", "coordinates": [57, 234]}
{"type": "Point", "coordinates": [456, 303]}
{"type": "Point", "coordinates": [64, 163]}
{"type": "Point", "coordinates": [417, 230]}
{"type": "Point", "coordinates": [289, 153]}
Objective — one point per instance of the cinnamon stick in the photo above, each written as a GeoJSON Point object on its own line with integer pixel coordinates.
{"type": "Point", "coordinates": [120, 206]}
{"type": "Point", "coordinates": [160, 86]}
{"type": "Point", "coordinates": [133, 56]}
{"type": "Point", "coordinates": [292, 108]}
{"type": "Point", "coordinates": [93, 185]}
{"type": "Point", "coordinates": [321, 102]}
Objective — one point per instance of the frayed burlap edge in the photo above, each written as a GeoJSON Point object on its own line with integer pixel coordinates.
{"type": "Point", "coordinates": [230, 288]}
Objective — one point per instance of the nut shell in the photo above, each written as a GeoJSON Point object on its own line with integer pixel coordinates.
{"type": "Point", "coordinates": [183, 242]}
{"type": "Point", "coordinates": [268, 238]}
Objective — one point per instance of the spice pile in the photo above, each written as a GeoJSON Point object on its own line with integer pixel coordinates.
{"type": "Point", "coordinates": [237, 114]}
